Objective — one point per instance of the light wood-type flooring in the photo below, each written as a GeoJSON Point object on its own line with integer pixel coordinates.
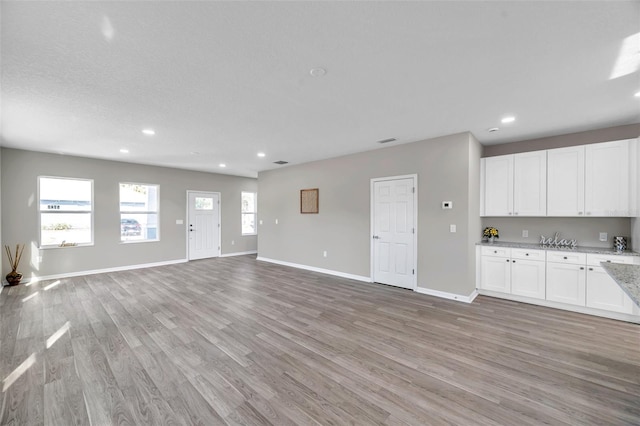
{"type": "Point", "coordinates": [237, 341]}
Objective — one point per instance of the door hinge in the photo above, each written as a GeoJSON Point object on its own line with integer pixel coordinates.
{"type": "Point", "coordinates": [413, 190]}
{"type": "Point", "coordinates": [413, 271]}
{"type": "Point", "coordinates": [413, 230]}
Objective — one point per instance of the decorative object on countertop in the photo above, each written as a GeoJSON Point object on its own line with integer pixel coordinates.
{"type": "Point", "coordinates": [620, 243]}
{"type": "Point", "coordinates": [490, 233]}
{"type": "Point", "coordinates": [14, 277]}
{"type": "Point", "coordinates": [557, 242]}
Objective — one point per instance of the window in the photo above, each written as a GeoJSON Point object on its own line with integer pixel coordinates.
{"type": "Point", "coordinates": [66, 211]}
{"type": "Point", "coordinates": [249, 209]}
{"type": "Point", "coordinates": [139, 212]}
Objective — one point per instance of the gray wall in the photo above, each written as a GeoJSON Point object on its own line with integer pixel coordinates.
{"type": "Point", "coordinates": [20, 170]}
{"type": "Point", "coordinates": [585, 230]}
{"type": "Point", "coordinates": [342, 227]}
{"type": "Point", "coordinates": [475, 222]}
{"type": "Point", "coordinates": [572, 139]}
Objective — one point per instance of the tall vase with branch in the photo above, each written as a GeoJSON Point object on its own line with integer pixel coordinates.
{"type": "Point", "coordinates": [14, 276]}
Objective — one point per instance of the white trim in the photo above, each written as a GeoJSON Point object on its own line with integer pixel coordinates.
{"type": "Point", "coordinates": [314, 269]}
{"type": "Point", "coordinates": [453, 296]}
{"type": "Point", "coordinates": [35, 279]}
{"type": "Point", "coordinates": [186, 226]}
{"type": "Point", "coordinates": [415, 224]}
{"type": "Point", "coordinates": [239, 253]}
{"type": "Point", "coordinates": [562, 306]}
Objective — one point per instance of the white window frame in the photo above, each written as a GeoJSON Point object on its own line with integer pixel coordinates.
{"type": "Point", "coordinates": [40, 211]}
{"type": "Point", "coordinates": [156, 212]}
{"type": "Point", "coordinates": [254, 212]}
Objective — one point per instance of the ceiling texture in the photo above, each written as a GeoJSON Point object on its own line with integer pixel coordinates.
{"type": "Point", "coordinates": [221, 81]}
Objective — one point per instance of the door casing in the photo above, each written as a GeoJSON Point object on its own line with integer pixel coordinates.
{"type": "Point", "coordinates": [186, 224]}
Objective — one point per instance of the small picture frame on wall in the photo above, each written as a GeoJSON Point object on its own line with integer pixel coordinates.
{"type": "Point", "coordinates": [309, 201]}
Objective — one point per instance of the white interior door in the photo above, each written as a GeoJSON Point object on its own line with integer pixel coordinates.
{"type": "Point", "coordinates": [203, 227]}
{"type": "Point", "coordinates": [393, 219]}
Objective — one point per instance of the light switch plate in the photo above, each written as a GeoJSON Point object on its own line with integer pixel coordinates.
{"type": "Point", "coordinates": [179, 222]}
{"type": "Point", "coordinates": [452, 228]}
{"type": "Point", "coordinates": [525, 233]}
{"type": "Point", "coordinates": [603, 236]}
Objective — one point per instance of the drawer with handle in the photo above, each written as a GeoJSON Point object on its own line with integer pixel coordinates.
{"type": "Point", "coordinates": [595, 259]}
{"type": "Point", "coordinates": [528, 254]}
{"type": "Point", "coordinates": [496, 251]}
{"type": "Point", "coordinates": [564, 257]}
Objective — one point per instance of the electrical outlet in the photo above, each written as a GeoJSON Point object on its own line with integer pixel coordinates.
{"type": "Point", "coordinates": [525, 233]}
{"type": "Point", "coordinates": [324, 253]}
{"type": "Point", "coordinates": [603, 236]}
{"type": "Point", "coordinates": [260, 221]}
{"type": "Point", "coordinates": [276, 221]}
{"type": "Point", "coordinates": [452, 228]}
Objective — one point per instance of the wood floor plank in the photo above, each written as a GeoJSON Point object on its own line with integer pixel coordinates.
{"type": "Point", "coordinates": [252, 343]}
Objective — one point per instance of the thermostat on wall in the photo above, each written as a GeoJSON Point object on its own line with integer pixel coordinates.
{"type": "Point", "coordinates": [447, 204]}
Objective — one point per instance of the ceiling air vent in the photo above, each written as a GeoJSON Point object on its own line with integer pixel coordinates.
{"type": "Point", "coordinates": [280, 162]}
{"type": "Point", "coordinates": [387, 140]}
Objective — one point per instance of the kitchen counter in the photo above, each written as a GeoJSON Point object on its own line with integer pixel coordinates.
{"type": "Point", "coordinates": [579, 249]}
{"type": "Point", "coordinates": [627, 277]}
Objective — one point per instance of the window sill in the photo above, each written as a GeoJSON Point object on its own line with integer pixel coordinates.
{"type": "Point", "coordinates": [139, 241]}
{"type": "Point", "coordinates": [66, 247]}
{"type": "Point", "coordinates": [250, 235]}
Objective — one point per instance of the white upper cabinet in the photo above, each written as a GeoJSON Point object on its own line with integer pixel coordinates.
{"type": "Point", "coordinates": [607, 178]}
{"type": "Point", "coordinates": [565, 178]}
{"type": "Point", "coordinates": [530, 184]}
{"type": "Point", "coordinates": [515, 185]}
{"type": "Point", "coordinates": [601, 179]}
{"type": "Point", "coordinates": [498, 180]}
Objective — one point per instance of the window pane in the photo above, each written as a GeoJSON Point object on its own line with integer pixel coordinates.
{"type": "Point", "coordinates": [139, 226]}
{"type": "Point", "coordinates": [136, 197]}
{"type": "Point", "coordinates": [59, 194]}
{"type": "Point", "coordinates": [248, 223]}
{"type": "Point", "coordinates": [65, 227]}
{"type": "Point", "coordinates": [203, 203]}
{"type": "Point", "coordinates": [248, 202]}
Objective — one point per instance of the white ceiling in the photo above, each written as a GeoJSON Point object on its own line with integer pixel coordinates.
{"type": "Point", "coordinates": [226, 80]}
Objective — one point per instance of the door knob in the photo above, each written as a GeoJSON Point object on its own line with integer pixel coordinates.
{"type": "Point", "coordinates": [375, 237]}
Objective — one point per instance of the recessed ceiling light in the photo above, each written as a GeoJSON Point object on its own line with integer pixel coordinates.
{"type": "Point", "coordinates": [509, 119]}
{"type": "Point", "coordinates": [149, 132]}
{"type": "Point", "coordinates": [637, 95]}
{"type": "Point", "coordinates": [317, 72]}
{"type": "Point", "coordinates": [387, 140]}
{"type": "Point", "coordinates": [124, 150]}
{"type": "Point", "coordinates": [262, 154]}
{"type": "Point", "coordinates": [492, 129]}
{"type": "Point", "coordinates": [222, 165]}
{"type": "Point", "coordinates": [194, 153]}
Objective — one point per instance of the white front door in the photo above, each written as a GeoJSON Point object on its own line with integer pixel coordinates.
{"type": "Point", "coordinates": [203, 227]}
{"type": "Point", "coordinates": [394, 227]}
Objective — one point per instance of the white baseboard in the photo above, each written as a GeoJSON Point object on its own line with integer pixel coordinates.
{"type": "Point", "coordinates": [314, 269]}
{"type": "Point", "coordinates": [35, 279]}
{"type": "Point", "coordinates": [239, 253]}
{"type": "Point", "coordinates": [445, 295]}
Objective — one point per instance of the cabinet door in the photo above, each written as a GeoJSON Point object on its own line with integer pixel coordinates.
{"type": "Point", "coordinates": [607, 179]}
{"type": "Point", "coordinates": [530, 184]}
{"type": "Point", "coordinates": [565, 179]}
{"type": "Point", "coordinates": [566, 283]}
{"type": "Point", "coordinates": [528, 278]}
{"type": "Point", "coordinates": [495, 274]}
{"type": "Point", "coordinates": [498, 186]}
{"type": "Point", "coordinates": [604, 293]}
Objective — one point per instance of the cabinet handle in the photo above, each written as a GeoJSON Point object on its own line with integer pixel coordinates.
{"type": "Point", "coordinates": [516, 213]}
{"type": "Point", "coordinates": [513, 261]}
{"type": "Point", "coordinates": [579, 212]}
{"type": "Point", "coordinates": [510, 213]}
{"type": "Point", "coordinates": [588, 213]}
{"type": "Point", "coordinates": [507, 260]}
{"type": "Point", "coordinates": [565, 257]}
{"type": "Point", "coordinates": [526, 254]}
{"type": "Point", "coordinates": [582, 268]}
{"type": "Point", "coordinates": [591, 269]}
{"type": "Point", "coordinates": [495, 251]}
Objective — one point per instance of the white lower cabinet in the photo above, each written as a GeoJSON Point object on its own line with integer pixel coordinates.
{"type": "Point", "coordinates": [528, 278]}
{"type": "Point", "coordinates": [496, 274]}
{"type": "Point", "coordinates": [569, 278]}
{"type": "Point", "coordinates": [566, 283]}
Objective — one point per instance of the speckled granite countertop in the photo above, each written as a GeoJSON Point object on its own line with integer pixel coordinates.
{"type": "Point", "coordinates": [579, 249]}
{"type": "Point", "coordinates": [627, 277]}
